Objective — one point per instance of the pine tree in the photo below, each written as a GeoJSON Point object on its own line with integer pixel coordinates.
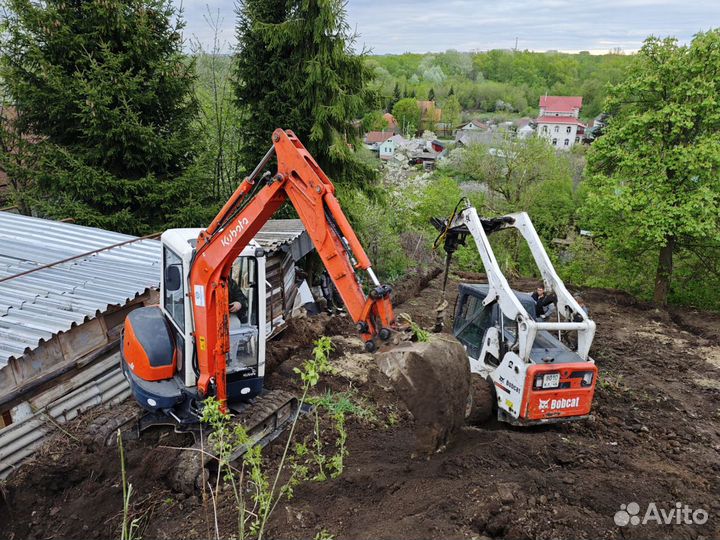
{"type": "Point", "coordinates": [259, 75]}
{"type": "Point", "coordinates": [452, 91]}
{"type": "Point", "coordinates": [431, 94]}
{"type": "Point", "coordinates": [295, 69]}
{"type": "Point", "coordinates": [396, 96]}
{"type": "Point", "coordinates": [107, 94]}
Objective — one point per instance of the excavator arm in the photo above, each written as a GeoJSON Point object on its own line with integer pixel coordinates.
{"type": "Point", "coordinates": [300, 180]}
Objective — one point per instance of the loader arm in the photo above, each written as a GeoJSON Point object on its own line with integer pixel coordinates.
{"type": "Point", "coordinates": [300, 180]}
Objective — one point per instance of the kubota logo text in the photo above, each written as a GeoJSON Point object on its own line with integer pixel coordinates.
{"type": "Point", "coordinates": [233, 233]}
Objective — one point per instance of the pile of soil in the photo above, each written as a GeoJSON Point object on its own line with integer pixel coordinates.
{"type": "Point", "coordinates": [432, 378]}
{"type": "Point", "coordinates": [653, 437]}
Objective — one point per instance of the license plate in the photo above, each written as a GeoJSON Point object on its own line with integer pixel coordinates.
{"type": "Point", "coordinates": [551, 380]}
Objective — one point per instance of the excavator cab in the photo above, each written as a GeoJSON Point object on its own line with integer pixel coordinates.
{"type": "Point", "coordinates": [158, 340]}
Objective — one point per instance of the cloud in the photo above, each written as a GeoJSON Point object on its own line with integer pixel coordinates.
{"type": "Point", "coordinates": [422, 26]}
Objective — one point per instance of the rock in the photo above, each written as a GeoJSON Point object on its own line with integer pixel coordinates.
{"type": "Point", "coordinates": [433, 379]}
{"type": "Point", "coordinates": [505, 493]}
{"type": "Point", "coordinates": [543, 499]}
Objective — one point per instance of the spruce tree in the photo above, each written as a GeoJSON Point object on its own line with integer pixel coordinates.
{"type": "Point", "coordinates": [431, 94]}
{"type": "Point", "coordinates": [295, 69]}
{"type": "Point", "coordinates": [259, 73]}
{"type": "Point", "coordinates": [396, 96]}
{"type": "Point", "coordinates": [106, 93]}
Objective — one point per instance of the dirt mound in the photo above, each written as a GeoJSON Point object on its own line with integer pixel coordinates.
{"type": "Point", "coordinates": [699, 323]}
{"type": "Point", "coordinates": [433, 380]}
{"type": "Point", "coordinates": [414, 282]}
{"type": "Point", "coordinates": [299, 334]}
{"type": "Point", "coordinates": [72, 490]}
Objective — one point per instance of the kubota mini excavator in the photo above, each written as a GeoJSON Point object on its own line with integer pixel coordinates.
{"type": "Point", "coordinates": [521, 366]}
{"type": "Point", "coordinates": [178, 353]}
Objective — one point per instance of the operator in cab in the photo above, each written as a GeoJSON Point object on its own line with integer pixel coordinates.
{"type": "Point", "coordinates": [544, 303]}
{"type": "Point", "coordinates": [238, 300]}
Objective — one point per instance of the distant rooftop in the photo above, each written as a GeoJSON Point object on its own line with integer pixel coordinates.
{"type": "Point", "coordinates": [377, 136]}
{"type": "Point", "coordinates": [561, 103]}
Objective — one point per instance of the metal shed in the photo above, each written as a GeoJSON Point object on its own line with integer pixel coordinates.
{"type": "Point", "coordinates": [65, 290]}
{"type": "Point", "coordinates": [285, 242]}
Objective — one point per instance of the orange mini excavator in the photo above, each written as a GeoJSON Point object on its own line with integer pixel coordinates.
{"type": "Point", "coordinates": [190, 347]}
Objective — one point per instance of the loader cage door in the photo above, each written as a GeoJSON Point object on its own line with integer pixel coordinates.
{"type": "Point", "coordinates": [472, 322]}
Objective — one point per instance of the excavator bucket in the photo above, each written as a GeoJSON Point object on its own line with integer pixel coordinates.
{"type": "Point", "coordinates": [433, 380]}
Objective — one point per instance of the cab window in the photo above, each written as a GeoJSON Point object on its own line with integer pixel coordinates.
{"type": "Point", "coordinates": [473, 322]}
{"type": "Point", "coordinates": [174, 288]}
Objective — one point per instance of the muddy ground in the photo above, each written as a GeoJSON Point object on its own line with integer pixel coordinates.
{"type": "Point", "coordinates": [654, 437]}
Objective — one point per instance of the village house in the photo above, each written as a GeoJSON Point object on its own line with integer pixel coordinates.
{"type": "Point", "coordinates": [373, 139]}
{"type": "Point", "coordinates": [474, 125]}
{"type": "Point", "coordinates": [387, 148]}
{"type": "Point", "coordinates": [392, 123]}
{"type": "Point", "coordinates": [473, 132]}
{"type": "Point", "coordinates": [430, 114]}
{"type": "Point", "coordinates": [559, 120]}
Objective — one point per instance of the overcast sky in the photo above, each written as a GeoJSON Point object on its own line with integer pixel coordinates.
{"type": "Point", "coordinates": [396, 26]}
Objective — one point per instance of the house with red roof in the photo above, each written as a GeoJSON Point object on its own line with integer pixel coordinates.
{"type": "Point", "coordinates": [559, 120]}
{"type": "Point", "coordinates": [392, 122]}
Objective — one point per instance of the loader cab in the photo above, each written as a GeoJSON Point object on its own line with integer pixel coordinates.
{"type": "Point", "coordinates": [473, 320]}
{"type": "Point", "coordinates": [246, 360]}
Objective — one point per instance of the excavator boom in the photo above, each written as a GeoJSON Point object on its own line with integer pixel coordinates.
{"type": "Point", "coordinates": [300, 180]}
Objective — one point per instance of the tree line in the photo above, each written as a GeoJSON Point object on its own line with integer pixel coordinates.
{"type": "Point", "coordinates": [499, 80]}
{"type": "Point", "coordinates": [107, 125]}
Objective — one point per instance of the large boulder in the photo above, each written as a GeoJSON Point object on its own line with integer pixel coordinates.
{"type": "Point", "coordinates": [433, 379]}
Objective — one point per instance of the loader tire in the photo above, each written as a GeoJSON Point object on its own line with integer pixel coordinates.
{"type": "Point", "coordinates": [481, 401]}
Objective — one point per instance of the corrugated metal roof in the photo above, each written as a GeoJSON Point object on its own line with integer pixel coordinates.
{"type": "Point", "coordinates": [279, 232]}
{"type": "Point", "coordinates": [36, 306]}
{"type": "Point", "coordinates": [40, 304]}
